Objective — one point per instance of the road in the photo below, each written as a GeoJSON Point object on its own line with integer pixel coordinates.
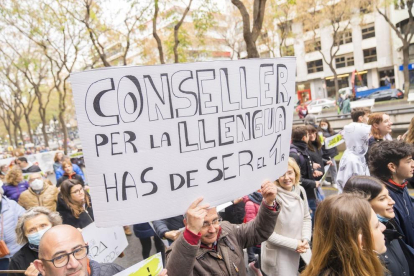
{"type": "Point", "coordinates": [378, 107]}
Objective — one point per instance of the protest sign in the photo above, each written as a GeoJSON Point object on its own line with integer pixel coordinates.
{"type": "Point", "coordinates": [157, 137]}
{"type": "Point", "coordinates": [334, 141]}
{"type": "Point", "coordinates": [151, 266]}
{"type": "Point", "coordinates": [105, 244]}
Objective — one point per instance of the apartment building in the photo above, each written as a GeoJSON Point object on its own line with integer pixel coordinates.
{"type": "Point", "coordinates": [368, 45]}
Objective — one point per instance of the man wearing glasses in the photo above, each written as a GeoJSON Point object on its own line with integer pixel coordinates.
{"type": "Point", "coordinates": [62, 251]}
{"type": "Point", "coordinates": [209, 247]}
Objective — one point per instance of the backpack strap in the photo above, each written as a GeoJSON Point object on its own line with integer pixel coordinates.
{"type": "Point", "coordinates": [295, 150]}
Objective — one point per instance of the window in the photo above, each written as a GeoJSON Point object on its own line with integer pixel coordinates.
{"type": "Point", "coordinates": [344, 37]}
{"type": "Point", "coordinates": [370, 55]}
{"type": "Point", "coordinates": [315, 66]}
{"type": "Point", "coordinates": [313, 45]}
{"type": "Point", "coordinates": [344, 61]}
{"type": "Point", "coordinates": [368, 31]}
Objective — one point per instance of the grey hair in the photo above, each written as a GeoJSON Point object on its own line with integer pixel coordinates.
{"type": "Point", "coordinates": [53, 217]}
{"type": "Point", "coordinates": [310, 120]}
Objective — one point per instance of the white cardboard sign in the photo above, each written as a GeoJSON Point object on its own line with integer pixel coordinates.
{"type": "Point", "coordinates": [156, 137]}
{"type": "Point", "coordinates": [105, 244]}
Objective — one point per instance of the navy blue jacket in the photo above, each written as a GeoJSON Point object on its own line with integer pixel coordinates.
{"type": "Point", "coordinates": [143, 230]}
{"type": "Point", "coordinates": [404, 211]}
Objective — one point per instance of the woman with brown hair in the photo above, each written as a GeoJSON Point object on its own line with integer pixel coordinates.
{"type": "Point", "coordinates": [380, 127]}
{"type": "Point", "coordinates": [74, 204]}
{"type": "Point", "coordinates": [316, 154]}
{"type": "Point", "coordinates": [347, 238]}
{"type": "Point", "coordinates": [15, 184]}
{"type": "Point", "coordinates": [69, 174]}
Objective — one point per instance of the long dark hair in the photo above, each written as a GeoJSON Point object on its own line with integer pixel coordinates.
{"type": "Point", "coordinates": [311, 145]}
{"type": "Point", "coordinates": [370, 186]}
{"type": "Point", "coordinates": [65, 192]}
{"type": "Point", "coordinates": [330, 130]}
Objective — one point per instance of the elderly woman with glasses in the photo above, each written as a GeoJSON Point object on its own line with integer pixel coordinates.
{"type": "Point", "coordinates": [29, 230]}
{"type": "Point", "coordinates": [74, 204]}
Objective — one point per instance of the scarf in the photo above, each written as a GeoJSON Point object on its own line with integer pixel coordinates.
{"type": "Point", "coordinates": [382, 219]}
{"type": "Point", "coordinates": [401, 186]}
{"type": "Point", "coordinates": [33, 247]}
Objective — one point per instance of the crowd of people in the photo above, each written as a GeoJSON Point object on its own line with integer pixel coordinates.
{"type": "Point", "coordinates": [285, 227]}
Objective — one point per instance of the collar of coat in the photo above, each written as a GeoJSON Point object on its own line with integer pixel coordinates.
{"type": "Point", "coordinates": [395, 185]}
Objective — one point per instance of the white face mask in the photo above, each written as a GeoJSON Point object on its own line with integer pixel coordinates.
{"type": "Point", "coordinates": [37, 184]}
{"type": "Point", "coordinates": [324, 127]}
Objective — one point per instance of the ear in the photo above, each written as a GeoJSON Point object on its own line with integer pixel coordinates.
{"type": "Point", "coordinates": [39, 266]}
{"type": "Point", "coordinates": [375, 125]}
{"type": "Point", "coordinates": [391, 166]}
{"type": "Point", "coordinates": [360, 241]}
{"type": "Point", "coordinates": [185, 222]}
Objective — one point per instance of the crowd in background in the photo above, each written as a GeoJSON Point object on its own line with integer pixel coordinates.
{"type": "Point", "coordinates": [367, 229]}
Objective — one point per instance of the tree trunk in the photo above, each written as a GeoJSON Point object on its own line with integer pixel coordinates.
{"type": "Point", "coordinates": [29, 127]}
{"type": "Point", "coordinates": [42, 113]}
{"type": "Point", "coordinates": [336, 85]}
{"type": "Point", "coordinates": [64, 130]}
{"type": "Point", "coordinates": [155, 34]}
{"type": "Point", "coordinates": [176, 29]}
{"type": "Point", "coordinates": [21, 133]}
{"type": "Point", "coordinates": [251, 47]}
{"type": "Point", "coordinates": [406, 61]}
{"type": "Point", "coordinates": [15, 137]}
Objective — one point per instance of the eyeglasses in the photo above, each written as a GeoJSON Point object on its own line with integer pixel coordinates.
{"type": "Point", "coordinates": [78, 191]}
{"type": "Point", "coordinates": [215, 222]}
{"type": "Point", "coordinates": [63, 260]}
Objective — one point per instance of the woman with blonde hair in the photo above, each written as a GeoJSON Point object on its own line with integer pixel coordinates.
{"type": "Point", "coordinates": [293, 230]}
{"type": "Point", "coordinates": [29, 230]}
{"type": "Point", "coordinates": [347, 238]}
{"type": "Point", "coordinates": [15, 184]}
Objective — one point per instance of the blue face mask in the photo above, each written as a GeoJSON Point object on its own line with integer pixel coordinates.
{"type": "Point", "coordinates": [382, 219]}
{"type": "Point", "coordinates": [35, 237]}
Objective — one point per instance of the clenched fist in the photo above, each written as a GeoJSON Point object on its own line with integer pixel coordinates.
{"type": "Point", "coordinates": [269, 192]}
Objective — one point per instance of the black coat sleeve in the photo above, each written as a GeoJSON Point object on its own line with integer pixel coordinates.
{"type": "Point", "coordinates": [160, 227]}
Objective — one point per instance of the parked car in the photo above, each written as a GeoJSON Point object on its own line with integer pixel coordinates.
{"type": "Point", "coordinates": [324, 103]}
{"type": "Point", "coordinates": [387, 94]}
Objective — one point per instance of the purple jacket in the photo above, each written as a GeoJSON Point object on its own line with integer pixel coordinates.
{"type": "Point", "coordinates": [13, 192]}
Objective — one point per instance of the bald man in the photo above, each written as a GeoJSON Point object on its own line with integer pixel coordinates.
{"type": "Point", "coordinates": [62, 251]}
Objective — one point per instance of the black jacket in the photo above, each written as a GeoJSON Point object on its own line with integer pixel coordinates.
{"type": "Point", "coordinates": [66, 177]}
{"type": "Point", "coordinates": [32, 169]}
{"type": "Point", "coordinates": [234, 213]}
{"type": "Point", "coordinates": [398, 259]}
{"type": "Point", "coordinates": [164, 225]}
{"type": "Point", "coordinates": [22, 259]}
{"type": "Point", "coordinates": [404, 211]}
{"type": "Point", "coordinates": [65, 212]}
{"type": "Point", "coordinates": [316, 157]}
{"type": "Point", "coordinates": [298, 149]}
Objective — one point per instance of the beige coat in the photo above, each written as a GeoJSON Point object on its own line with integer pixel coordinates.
{"type": "Point", "coordinates": [46, 198]}
{"type": "Point", "coordinates": [279, 256]}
